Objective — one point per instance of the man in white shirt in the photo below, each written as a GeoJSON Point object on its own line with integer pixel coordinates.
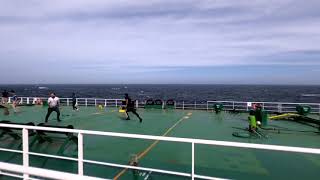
{"type": "Point", "coordinates": [53, 103]}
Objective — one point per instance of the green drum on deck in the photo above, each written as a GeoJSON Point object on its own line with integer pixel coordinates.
{"type": "Point", "coordinates": [303, 110]}
{"type": "Point", "coordinates": [45, 103]}
{"type": "Point", "coordinates": [170, 104]}
{"type": "Point", "coordinates": [154, 104]}
{"type": "Point", "coordinates": [218, 107]}
{"type": "Point", "coordinates": [158, 104]}
{"type": "Point", "coordinates": [261, 116]}
{"type": "Point", "coordinates": [264, 119]}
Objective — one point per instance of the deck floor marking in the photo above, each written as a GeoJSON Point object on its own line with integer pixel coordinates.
{"type": "Point", "coordinates": [148, 149]}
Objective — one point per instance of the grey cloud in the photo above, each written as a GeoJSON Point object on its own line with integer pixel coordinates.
{"type": "Point", "coordinates": [158, 34]}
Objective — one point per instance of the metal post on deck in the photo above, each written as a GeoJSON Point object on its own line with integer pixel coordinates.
{"type": "Point", "coordinates": [86, 100]}
{"type": "Point", "coordinates": [183, 105]}
{"type": "Point", "coordinates": [137, 104]}
{"type": "Point", "coordinates": [116, 103]}
{"type": "Point", "coordinates": [25, 150]}
{"type": "Point", "coordinates": [207, 106]}
{"type": "Point", "coordinates": [279, 108]}
{"type": "Point", "coordinates": [233, 105]}
{"type": "Point", "coordinates": [28, 100]}
{"type": "Point", "coordinates": [105, 103]}
{"type": "Point", "coordinates": [80, 154]}
{"type": "Point", "coordinates": [67, 101]}
{"type": "Point", "coordinates": [95, 102]}
{"type": "Point", "coordinates": [192, 167]}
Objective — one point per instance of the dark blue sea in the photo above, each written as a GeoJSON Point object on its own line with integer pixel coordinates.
{"type": "Point", "coordinates": [199, 93]}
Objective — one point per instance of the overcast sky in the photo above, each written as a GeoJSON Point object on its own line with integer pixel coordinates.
{"type": "Point", "coordinates": [160, 41]}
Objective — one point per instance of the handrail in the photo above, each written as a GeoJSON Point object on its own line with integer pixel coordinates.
{"type": "Point", "coordinates": [193, 142]}
{"type": "Point", "coordinates": [118, 99]}
{"type": "Point", "coordinates": [40, 172]}
{"type": "Point", "coordinates": [280, 107]}
{"type": "Point", "coordinates": [170, 139]}
{"type": "Point", "coordinates": [260, 102]}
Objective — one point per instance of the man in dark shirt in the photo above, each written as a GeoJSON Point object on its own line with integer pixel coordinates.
{"type": "Point", "coordinates": [130, 108]}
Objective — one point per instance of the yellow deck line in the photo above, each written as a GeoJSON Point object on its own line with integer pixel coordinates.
{"type": "Point", "coordinates": [148, 149]}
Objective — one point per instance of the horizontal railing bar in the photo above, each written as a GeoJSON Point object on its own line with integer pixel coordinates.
{"type": "Point", "coordinates": [173, 139]}
{"type": "Point", "coordinates": [260, 146]}
{"type": "Point", "coordinates": [11, 150]}
{"type": "Point", "coordinates": [53, 156]}
{"type": "Point", "coordinates": [199, 103]}
{"type": "Point", "coordinates": [43, 172]}
{"type": "Point", "coordinates": [11, 175]}
{"type": "Point", "coordinates": [139, 168]}
{"type": "Point", "coordinates": [208, 177]}
{"type": "Point", "coordinates": [265, 102]}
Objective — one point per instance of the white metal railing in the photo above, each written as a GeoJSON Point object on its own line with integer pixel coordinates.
{"type": "Point", "coordinates": [80, 101]}
{"type": "Point", "coordinates": [25, 151]}
{"type": "Point", "coordinates": [280, 107]}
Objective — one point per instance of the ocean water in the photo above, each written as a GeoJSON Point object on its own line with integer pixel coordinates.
{"type": "Point", "coordinates": [189, 93]}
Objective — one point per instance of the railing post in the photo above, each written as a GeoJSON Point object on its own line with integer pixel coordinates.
{"type": "Point", "coordinates": [28, 100]}
{"type": "Point", "coordinates": [162, 104]}
{"type": "Point", "coordinates": [207, 106]}
{"type": "Point", "coordinates": [67, 101]}
{"type": "Point", "coordinates": [86, 101]}
{"type": "Point", "coordinates": [262, 106]}
{"type": "Point", "coordinates": [279, 108]}
{"type": "Point", "coordinates": [137, 104]}
{"type": "Point", "coordinates": [95, 102]}
{"type": "Point", "coordinates": [25, 150]}
{"type": "Point", "coordinates": [116, 102]}
{"type": "Point", "coordinates": [192, 166]}
{"type": "Point", "coordinates": [80, 154]}
{"type": "Point", "coordinates": [233, 105]}
{"type": "Point", "coordinates": [183, 105]}
{"type": "Point", "coordinates": [21, 100]}
{"type": "Point", "coordinates": [175, 105]}
{"type": "Point", "coordinates": [105, 103]}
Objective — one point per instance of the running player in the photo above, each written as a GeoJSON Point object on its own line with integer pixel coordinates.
{"type": "Point", "coordinates": [130, 107]}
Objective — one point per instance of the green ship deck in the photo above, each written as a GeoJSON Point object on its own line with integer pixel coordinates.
{"type": "Point", "coordinates": [216, 161]}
